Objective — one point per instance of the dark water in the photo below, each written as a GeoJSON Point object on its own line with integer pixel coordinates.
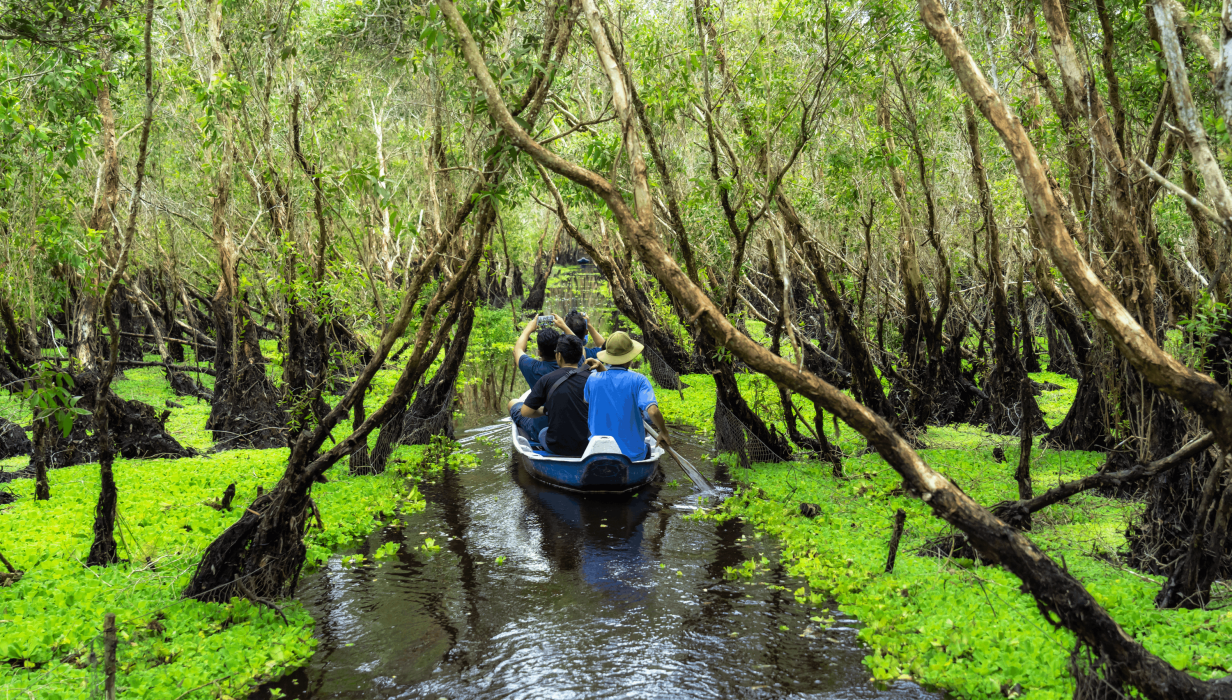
{"type": "Point", "coordinates": [594, 599]}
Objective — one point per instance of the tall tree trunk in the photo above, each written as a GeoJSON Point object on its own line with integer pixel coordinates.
{"type": "Point", "coordinates": [918, 314]}
{"type": "Point", "coordinates": [103, 548]}
{"type": "Point", "coordinates": [1011, 409]}
{"type": "Point", "coordinates": [1026, 335]}
{"type": "Point", "coordinates": [246, 411]}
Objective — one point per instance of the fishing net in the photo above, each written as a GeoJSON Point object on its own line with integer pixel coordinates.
{"type": "Point", "coordinates": [417, 430]}
{"type": "Point", "coordinates": [731, 435]}
{"type": "Point", "coordinates": [661, 372]}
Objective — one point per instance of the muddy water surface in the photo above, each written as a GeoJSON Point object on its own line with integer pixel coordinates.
{"type": "Point", "coordinates": [539, 593]}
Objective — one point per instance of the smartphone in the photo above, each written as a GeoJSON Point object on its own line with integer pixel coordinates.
{"type": "Point", "coordinates": [547, 321]}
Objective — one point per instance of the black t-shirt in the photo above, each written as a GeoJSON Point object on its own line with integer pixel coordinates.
{"type": "Point", "coordinates": [568, 432]}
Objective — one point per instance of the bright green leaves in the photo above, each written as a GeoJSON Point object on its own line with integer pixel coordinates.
{"type": "Point", "coordinates": [50, 399]}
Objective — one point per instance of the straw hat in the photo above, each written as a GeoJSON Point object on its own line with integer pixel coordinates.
{"type": "Point", "coordinates": [619, 349]}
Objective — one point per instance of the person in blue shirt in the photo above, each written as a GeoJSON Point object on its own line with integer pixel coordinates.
{"type": "Point", "coordinates": [533, 370]}
{"type": "Point", "coordinates": [578, 323]}
{"type": "Point", "coordinates": [617, 398]}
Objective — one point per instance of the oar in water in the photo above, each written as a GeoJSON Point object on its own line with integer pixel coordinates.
{"type": "Point", "coordinates": [695, 476]}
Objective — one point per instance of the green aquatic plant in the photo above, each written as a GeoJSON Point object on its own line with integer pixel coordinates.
{"type": "Point", "coordinates": [949, 623]}
{"type": "Point", "coordinates": [54, 615]}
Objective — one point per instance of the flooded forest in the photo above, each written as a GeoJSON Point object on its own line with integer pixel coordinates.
{"type": "Point", "coordinates": [586, 349]}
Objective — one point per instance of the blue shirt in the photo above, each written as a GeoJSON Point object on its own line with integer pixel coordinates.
{"type": "Point", "coordinates": [533, 370]}
{"type": "Point", "coordinates": [617, 399]}
{"type": "Point", "coordinates": [591, 352]}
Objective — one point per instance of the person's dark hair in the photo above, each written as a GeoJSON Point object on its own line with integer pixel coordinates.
{"type": "Point", "coordinates": [547, 343]}
{"type": "Point", "coordinates": [570, 348]}
{"type": "Point", "coordinates": [576, 323]}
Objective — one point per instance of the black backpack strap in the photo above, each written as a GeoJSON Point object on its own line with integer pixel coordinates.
{"type": "Point", "coordinates": [556, 384]}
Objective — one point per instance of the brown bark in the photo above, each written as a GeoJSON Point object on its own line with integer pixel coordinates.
{"type": "Point", "coordinates": [1216, 274]}
{"type": "Point", "coordinates": [103, 548]}
{"type": "Point", "coordinates": [1010, 408]}
{"type": "Point", "coordinates": [918, 313]}
{"type": "Point", "coordinates": [1058, 593]}
{"type": "Point", "coordinates": [1026, 335]}
{"type": "Point", "coordinates": [1135, 666]}
{"type": "Point", "coordinates": [1136, 288]}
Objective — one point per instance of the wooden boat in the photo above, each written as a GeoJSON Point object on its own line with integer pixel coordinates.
{"type": "Point", "coordinates": [602, 469]}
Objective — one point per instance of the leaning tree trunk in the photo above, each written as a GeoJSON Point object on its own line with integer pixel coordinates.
{"type": "Point", "coordinates": [917, 317]}
{"type": "Point", "coordinates": [390, 435]}
{"type": "Point", "coordinates": [432, 411]}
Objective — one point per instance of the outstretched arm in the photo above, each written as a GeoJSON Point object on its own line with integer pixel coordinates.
{"type": "Point", "coordinates": [519, 347]}
{"type": "Point", "coordinates": [595, 338]}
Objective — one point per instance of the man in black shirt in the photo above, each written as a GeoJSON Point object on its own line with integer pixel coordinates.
{"type": "Point", "coordinates": [559, 395]}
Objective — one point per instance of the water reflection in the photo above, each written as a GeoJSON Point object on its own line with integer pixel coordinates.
{"type": "Point", "coordinates": [592, 598]}
{"type": "Point", "coordinates": [601, 539]}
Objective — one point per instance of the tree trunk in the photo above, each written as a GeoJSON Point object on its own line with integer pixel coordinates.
{"type": "Point", "coordinates": [1010, 408]}
{"type": "Point", "coordinates": [1026, 335]}
{"type": "Point", "coordinates": [432, 411]}
{"type": "Point", "coordinates": [543, 270]}
{"type": "Point", "coordinates": [360, 458]}
{"type": "Point", "coordinates": [918, 314]}
{"type": "Point", "coordinates": [1060, 356]}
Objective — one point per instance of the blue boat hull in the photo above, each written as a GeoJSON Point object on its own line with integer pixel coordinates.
{"type": "Point", "coordinates": [598, 473]}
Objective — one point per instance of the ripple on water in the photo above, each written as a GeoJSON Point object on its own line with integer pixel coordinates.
{"type": "Point", "coordinates": [596, 598]}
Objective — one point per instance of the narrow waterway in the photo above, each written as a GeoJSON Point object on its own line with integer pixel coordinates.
{"type": "Point", "coordinates": [539, 593]}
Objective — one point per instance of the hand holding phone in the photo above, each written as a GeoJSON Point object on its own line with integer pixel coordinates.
{"type": "Point", "coordinates": [546, 321]}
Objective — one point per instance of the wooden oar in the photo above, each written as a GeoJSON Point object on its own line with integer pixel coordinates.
{"type": "Point", "coordinates": [695, 476]}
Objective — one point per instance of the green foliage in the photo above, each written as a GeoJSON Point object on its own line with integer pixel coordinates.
{"type": "Point", "coordinates": [969, 630]}
{"type": "Point", "coordinates": [1208, 318]}
{"type": "Point", "coordinates": [55, 613]}
{"type": "Point", "coordinates": [53, 616]}
{"type": "Point", "coordinates": [50, 399]}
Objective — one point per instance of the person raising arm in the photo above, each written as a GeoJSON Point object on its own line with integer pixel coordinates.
{"type": "Point", "coordinates": [578, 323]}
{"type": "Point", "coordinates": [533, 370]}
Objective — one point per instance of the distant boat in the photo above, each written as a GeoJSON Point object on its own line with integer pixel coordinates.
{"type": "Point", "coordinates": [602, 469]}
{"type": "Point", "coordinates": [584, 261]}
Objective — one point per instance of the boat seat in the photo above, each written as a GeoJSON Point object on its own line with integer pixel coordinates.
{"type": "Point", "coordinates": [598, 445]}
